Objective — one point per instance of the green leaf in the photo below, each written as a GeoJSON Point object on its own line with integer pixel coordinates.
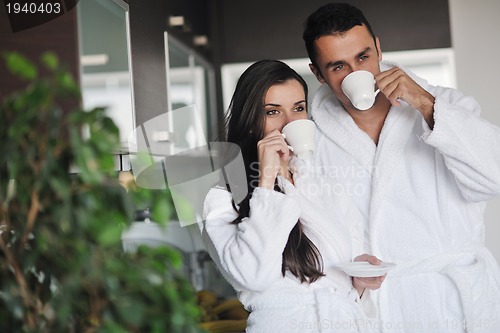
{"type": "Point", "coordinates": [131, 311]}
{"type": "Point", "coordinates": [49, 59]}
{"type": "Point", "coordinates": [76, 238]}
{"type": "Point", "coordinates": [161, 210]}
{"type": "Point", "coordinates": [21, 66]}
{"type": "Point", "coordinates": [111, 234]}
{"type": "Point", "coordinates": [66, 84]}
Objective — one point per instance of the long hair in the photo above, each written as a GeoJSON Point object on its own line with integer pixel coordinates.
{"type": "Point", "coordinates": [245, 127]}
{"type": "Point", "coordinates": [332, 19]}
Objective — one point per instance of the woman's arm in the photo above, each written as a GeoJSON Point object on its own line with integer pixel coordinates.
{"type": "Point", "coordinates": [249, 253]}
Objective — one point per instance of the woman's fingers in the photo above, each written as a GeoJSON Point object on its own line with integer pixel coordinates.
{"type": "Point", "coordinates": [274, 142]}
{"type": "Point", "coordinates": [271, 150]}
{"type": "Point", "coordinates": [369, 258]}
{"type": "Point", "coordinates": [372, 283]}
{"type": "Point", "coordinates": [368, 282]}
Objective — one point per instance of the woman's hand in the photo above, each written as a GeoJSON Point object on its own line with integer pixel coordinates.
{"type": "Point", "coordinates": [272, 150]}
{"type": "Point", "coordinates": [373, 283]}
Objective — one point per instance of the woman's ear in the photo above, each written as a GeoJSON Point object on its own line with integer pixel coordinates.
{"type": "Point", "coordinates": [316, 73]}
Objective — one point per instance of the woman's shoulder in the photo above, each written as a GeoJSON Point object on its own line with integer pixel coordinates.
{"type": "Point", "coordinates": [217, 199]}
{"type": "Point", "coordinates": [216, 194]}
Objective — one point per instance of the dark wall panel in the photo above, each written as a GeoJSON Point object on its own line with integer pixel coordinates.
{"type": "Point", "coordinates": [238, 31]}
{"type": "Point", "coordinates": [148, 22]}
{"type": "Point", "coordinates": [58, 36]}
{"type": "Point", "coordinates": [259, 29]}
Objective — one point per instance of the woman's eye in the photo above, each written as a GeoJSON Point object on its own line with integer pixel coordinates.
{"type": "Point", "coordinates": [300, 109]}
{"type": "Point", "coordinates": [271, 112]}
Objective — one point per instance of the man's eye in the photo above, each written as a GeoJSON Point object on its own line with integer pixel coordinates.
{"type": "Point", "coordinates": [363, 57]}
{"type": "Point", "coordinates": [337, 68]}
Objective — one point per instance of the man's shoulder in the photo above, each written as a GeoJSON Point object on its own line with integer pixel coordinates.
{"type": "Point", "coordinates": [320, 98]}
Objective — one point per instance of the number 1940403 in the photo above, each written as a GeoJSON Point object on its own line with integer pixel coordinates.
{"type": "Point", "coordinates": [33, 8]}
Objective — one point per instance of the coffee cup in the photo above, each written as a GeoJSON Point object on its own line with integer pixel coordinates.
{"type": "Point", "coordinates": [299, 134]}
{"type": "Point", "coordinates": [359, 87]}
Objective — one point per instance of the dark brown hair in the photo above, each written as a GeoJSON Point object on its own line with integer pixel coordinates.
{"type": "Point", "coordinates": [245, 127]}
{"type": "Point", "coordinates": [332, 19]}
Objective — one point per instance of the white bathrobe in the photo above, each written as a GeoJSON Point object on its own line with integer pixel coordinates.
{"type": "Point", "coordinates": [422, 195]}
{"type": "Point", "coordinates": [249, 255]}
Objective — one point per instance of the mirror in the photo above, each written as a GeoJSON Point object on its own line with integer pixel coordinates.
{"type": "Point", "coordinates": [190, 94]}
{"type": "Point", "coordinates": [105, 62]}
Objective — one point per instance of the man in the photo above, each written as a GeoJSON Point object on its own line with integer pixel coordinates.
{"type": "Point", "coordinates": [419, 166]}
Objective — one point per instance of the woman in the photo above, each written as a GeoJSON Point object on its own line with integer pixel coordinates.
{"type": "Point", "coordinates": [279, 245]}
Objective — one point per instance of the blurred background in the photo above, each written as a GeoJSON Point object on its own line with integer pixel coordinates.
{"type": "Point", "coordinates": [144, 58]}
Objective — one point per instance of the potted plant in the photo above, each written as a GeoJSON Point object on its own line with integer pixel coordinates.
{"type": "Point", "coordinates": [62, 265]}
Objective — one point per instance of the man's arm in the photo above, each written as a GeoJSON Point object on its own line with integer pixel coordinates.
{"type": "Point", "coordinates": [469, 144]}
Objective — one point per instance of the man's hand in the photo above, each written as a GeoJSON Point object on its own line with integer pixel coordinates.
{"type": "Point", "coordinates": [396, 85]}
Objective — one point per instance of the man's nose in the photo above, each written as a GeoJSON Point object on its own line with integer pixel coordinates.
{"type": "Point", "coordinates": [354, 68]}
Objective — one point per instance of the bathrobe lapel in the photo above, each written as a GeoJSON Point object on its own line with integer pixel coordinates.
{"type": "Point", "coordinates": [397, 130]}
{"type": "Point", "coordinates": [382, 160]}
{"type": "Point", "coordinates": [338, 126]}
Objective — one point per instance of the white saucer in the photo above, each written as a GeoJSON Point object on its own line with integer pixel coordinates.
{"type": "Point", "coordinates": [365, 269]}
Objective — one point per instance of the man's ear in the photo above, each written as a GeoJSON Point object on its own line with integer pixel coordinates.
{"type": "Point", "coordinates": [316, 73]}
{"type": "Point", "coordinates": [379, 50]}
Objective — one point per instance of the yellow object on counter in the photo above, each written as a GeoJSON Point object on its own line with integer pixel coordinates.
{"type": "Point", "coordinates": [221, 315]}
{"type": "Point", "coordinates": [225, 326]}
{"type": "Point", "coordinates": [206, 298]}
{"type": "Point", "coordinates": [127, 180]}
{"type": "Point", "coordinates": [227, 305]}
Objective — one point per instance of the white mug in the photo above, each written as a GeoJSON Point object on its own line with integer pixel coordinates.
{"type": "Point", "coordinates": [299, 134]}
{"type": "Point", "coordinates": [359, 87]}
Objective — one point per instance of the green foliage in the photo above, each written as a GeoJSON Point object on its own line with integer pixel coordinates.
{"type": "Point", "coordinates": [62, 266]}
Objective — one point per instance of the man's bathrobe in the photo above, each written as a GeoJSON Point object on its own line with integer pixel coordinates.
{"type": "Point", "coordinates": [249, 255]}
{"type": "Point", "coordinates": [421, 194]}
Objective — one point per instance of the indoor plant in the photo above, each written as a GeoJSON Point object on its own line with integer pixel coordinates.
{"type": "Point", "coordinates": [62, 267]}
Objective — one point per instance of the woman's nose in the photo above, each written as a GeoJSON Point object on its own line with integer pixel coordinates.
{"type": "Point", "coordinates": [291, 116]}
{"type": "Point", "coordinates": [288, 119]}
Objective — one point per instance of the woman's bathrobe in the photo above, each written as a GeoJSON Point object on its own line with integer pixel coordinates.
{"type": "Point", "coordinates": [249, 255]}
{"type": "Point", "coordinates": [421, 194]}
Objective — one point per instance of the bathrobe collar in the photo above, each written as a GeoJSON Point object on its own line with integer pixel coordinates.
{"type": "Point", "coordinates": [338, 126]}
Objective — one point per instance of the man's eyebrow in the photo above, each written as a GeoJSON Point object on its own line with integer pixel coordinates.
{"type": "Point", "coordinates": [364, 51]}
{"type": "Point", "coordinates": [333, 64]}
{"type": "Point", "coordinates": [341, 62]}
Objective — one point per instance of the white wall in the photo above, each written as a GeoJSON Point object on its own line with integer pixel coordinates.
{"type": "Point", "coordinates": [475, 28]}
